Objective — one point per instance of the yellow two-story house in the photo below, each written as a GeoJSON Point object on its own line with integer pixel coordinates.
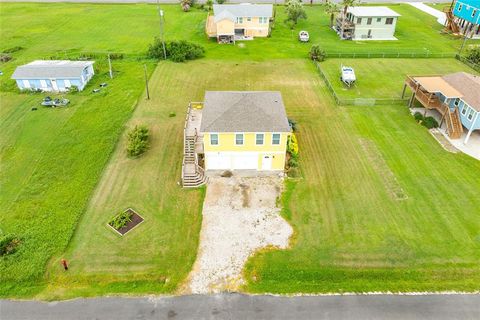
{"type": "Point", "coordinates": [244, 130]}
{"type": "Point", "coordinates": [231, 22]}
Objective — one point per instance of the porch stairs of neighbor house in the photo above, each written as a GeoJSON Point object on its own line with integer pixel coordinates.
{"type": "Point", "coordinates": [193, 175]}
{"type": "Point", "coordinates": [431, 101]}
{"type": "Point", "coordinates": [450, 25]}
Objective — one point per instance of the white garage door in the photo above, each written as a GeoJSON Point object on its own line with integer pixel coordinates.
{"type": "Point", "coordinates": [223, 161]}
{"type": "Point", "coordinates": [249, 161]}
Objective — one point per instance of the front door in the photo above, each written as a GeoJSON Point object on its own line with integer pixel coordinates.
{"type": "Point", "coordinates": [267, 162]}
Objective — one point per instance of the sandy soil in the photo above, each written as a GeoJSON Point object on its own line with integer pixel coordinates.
{"type": "Point", "coordinates": [240, 216]}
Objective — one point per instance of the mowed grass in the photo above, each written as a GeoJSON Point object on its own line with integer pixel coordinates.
{"type": "Point", "coordinates": [51, 161]}
{"type": "Point", "coordinates": [384, 78]}
{"type": "Point", "coordinates": [381, 206]}
{"type": "Point", "coordinates": [130, 28]}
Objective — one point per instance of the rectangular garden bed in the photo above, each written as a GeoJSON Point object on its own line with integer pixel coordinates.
{"type": "Point", "coordinates": [133, 220]}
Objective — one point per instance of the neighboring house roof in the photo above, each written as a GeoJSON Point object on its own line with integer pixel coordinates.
{"type": "Point", "coordinates": [244, 111]}
{"type": "Point", "coordinates": [243, 10]}
{"type": "Point", "coordinates": [468, 85]}
{"type": "Point", "coordinates": [43, 69]}
{"type": "Point", "coordinates": [372, 12]}
{"type": "Point", "coordinates": [438, 84]}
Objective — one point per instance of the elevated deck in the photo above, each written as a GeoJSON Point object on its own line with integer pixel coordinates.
{"type": "Point", "coordinates": [430, 101]}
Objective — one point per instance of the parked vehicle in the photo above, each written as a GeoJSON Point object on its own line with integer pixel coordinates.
{"type": "Point", "coordinates": [303, 36]}
{"type": "Point", "coordinates": [348, 75]}
{"type": "Point", "coordinates": [49, 102]}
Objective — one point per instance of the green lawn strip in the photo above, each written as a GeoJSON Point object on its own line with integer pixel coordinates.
{"type": "Point", "coordinates": [384, 78]}
{"type": "Point", "coordinates": [130, 28]}
{"type": "Point", "coordinates": [55, 188]}
{"type": "Point", "coordinates": [352, 233]}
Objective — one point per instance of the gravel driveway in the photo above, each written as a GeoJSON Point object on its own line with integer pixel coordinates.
{"type": "Point", "coordinates": [240, 216]}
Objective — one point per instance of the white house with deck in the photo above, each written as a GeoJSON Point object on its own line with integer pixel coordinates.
{"type": "Point", "coordinates": [367, 23]}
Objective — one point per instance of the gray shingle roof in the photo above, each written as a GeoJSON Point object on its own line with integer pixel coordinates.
{"type": "Point", "coordinates": [244, 111]}
{"type": "Point", "coordinates": [468, 85]}
{"type": "Point", "coordinates": [244, 10]}
{"type": "Point", "coordinates": [43, 69]}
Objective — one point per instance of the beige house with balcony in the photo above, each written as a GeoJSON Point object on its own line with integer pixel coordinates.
{"type": "Point", "coordinates": [233, 22]}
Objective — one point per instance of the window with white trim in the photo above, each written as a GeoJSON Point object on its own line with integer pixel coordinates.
{"type": "Point", "coordinates": [214, 139]}
{"type": "Point", "coordinates": [464, 109]}
{"type": "Point", "coordinates": [262, 19]}
{"type": "Point", "coordinates": [379, 19]}
{"type": "Point", "coordinates": [276, 138]}
{"type": "Point", "coordinates": [249, 18]}
{"type": "Point", "coordinates": [369, 21]}
{"type": "Point", "coordinates": [239, 139]}
{"type": "Point", "coordinates": [456, 102]}
{"type": "Point", "coordinates": [460, 7]}
{"type": "Point", "coordinates": [359, 20]}
{"type": "Point", "coordinates": [259, 139]}
{"type": "Point", "coordinates": [239, 19]}
{"type": "Point", "coordinates": [474, 12]}
{"type": "Point", "coordinates": [389, 21]}
{"type": "Point", "coordinates": [470, 114]}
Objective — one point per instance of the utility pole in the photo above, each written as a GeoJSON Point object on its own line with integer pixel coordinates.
{"type": "Point", "coordinates": [110, 67]}
{"type": "Point", "coordinates": [146, 80]}
{"type": "Point", "coordinates": [162, 36]}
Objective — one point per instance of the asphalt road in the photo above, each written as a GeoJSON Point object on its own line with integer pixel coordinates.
{"type": "Point", "coordinates": [237, 306]}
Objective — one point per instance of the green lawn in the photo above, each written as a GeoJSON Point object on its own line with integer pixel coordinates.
{"type": "Point", "coordinates": [384, 78]}
{"type": "Point", "coordinates": [381, 206]}
{"type": "Point", "coordinates": [352, 231]}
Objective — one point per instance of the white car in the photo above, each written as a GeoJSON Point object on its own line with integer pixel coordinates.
{"type": "Point", "coordinates": [348, 75]}
{"type": "Point", "coordinates": [303, 36]}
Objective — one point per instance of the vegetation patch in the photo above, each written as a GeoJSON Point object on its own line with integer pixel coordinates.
{"type": "Point", "coordinates": [125, 221]}
{"type": "Point", "coordinates": [8, 244]}
{"type": "Point", "coordinates": [177, 51]}
{"type": "Point", "coordinates": [428, 122]}
{"type": "Point", "coordinates": [137, 141]}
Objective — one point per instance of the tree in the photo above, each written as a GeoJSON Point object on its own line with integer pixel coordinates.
{"type": "Point", "coordinates": [331, 8]}
{"type": "Point", "coordinates": [221, 1]}
{"type": "Point", "coordinates": [295, 11]}
{"type": "Point", "coordinates": [317, 54]}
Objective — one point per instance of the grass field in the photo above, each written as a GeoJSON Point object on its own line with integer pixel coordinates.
{"type": "Point", "coordinates": [355, 230]}
{"type": "Point", "coordinates": [381, 207]}
{"type": "Point", "coordinates": [130, 28]}
{"type": "Point", "coordinates": [384, 78]}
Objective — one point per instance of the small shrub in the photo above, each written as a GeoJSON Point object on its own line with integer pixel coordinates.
{"type": "Point", "coordinates": [137, 141]}
{"type": "Point", "coordinates": [293, 162]}
{"type": "Point", "coordinates": [208, 5]}
{"type": "Point", "coordinates": [418, 116]}
{"type": "Point", "coordinates": [221, 1]}
{"type": "Point", "coordinates": [293, 172]}
{"type": "Point", "coordinates": [5, 57]}
{"type": "Point", "coordinates": [8, 244]}
{"type": "Point", "coordinates": [185, 4]}
{"type": "Point", "coordinates": [121, 220]}
{"type": "Point", "coordinates": [172, 114]}
{"type": "Point", "coordinates": [430, 122]}
{"type": "Point", "coordinates": [73, 89]}
{"type": "Point", "coordinates": [116, 56]}
{"type": "Point", "coordinates": [292, 146]}
{"type": "Point", "coordinates": [317, 54]}
{"type": "Point", "coordinates": [474, 55]}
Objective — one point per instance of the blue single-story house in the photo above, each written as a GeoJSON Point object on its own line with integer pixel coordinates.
{"type": "Point", "coordinates": [456, 96]}
{"type": "Point", "coordinates": [467, 17]}
{"type": "Point", "coordinates": [53, 75]}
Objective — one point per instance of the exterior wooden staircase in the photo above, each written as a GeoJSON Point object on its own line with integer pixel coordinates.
{"type": "Point", "coordinates": [430, 101]}
{"type": "Point", "coordinates": [450, 25]}
{"type": "Point", "coordinates": [193, 175]}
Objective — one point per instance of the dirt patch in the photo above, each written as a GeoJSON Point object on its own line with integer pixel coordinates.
{"type": "Point", "coordinates": [381, 166]}
{"type": "Point", "coordinates": [240, 216]}
{"type": "Point", "coordinates": [135, 220]}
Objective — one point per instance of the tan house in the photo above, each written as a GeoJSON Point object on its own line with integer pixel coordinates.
{"type": "Point", "coordinates": [231, 22]}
